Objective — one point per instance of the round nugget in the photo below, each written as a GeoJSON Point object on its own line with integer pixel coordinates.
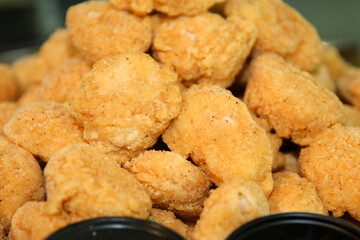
{"type": "Point", "coordinates": [332, 163]}
{"type": "Point", "coordinates": [9, 87]}
{"type": "Point", "coordinates": [20, 180]}
{"type": "Point", "coordinates": [281, 30]}
{"type": "Point", "coordinates": [42, 128]}
{"type": "Point", "coordinates": [98, 30]}
{"type": "Point", "coordinates": [291, 193]}
{"type": "Point", "coordinates": [126, 102]}
{"type": "Point", "coordinates": [7, 110]}
{"type": "Point", "coordinates": [294, 105]}
{"type": "Point", "coordinates": [229, 206]}
{"type": "Point", "coordinates": [33, 222]}
{"type": "Point", "coordinates": [83, 182]}
{"type": "Point", "coordinates": [64, 81]}
{"type": "Point", "coordinates": [349, 86]}
{"type": "Point", "coordinates": [204, 48]}
{"type": "Point", "coordinates": [217, 131]}
{"type": "Point", "coordinates": [173, 182]}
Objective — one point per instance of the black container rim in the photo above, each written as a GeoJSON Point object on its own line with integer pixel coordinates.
{"type": "Point", "coordinates": [298, 218]}
{"type": "Point", "coordinates": [115, 223]}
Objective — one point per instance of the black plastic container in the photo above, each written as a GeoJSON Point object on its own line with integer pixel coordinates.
{"type": "Point", "coordinates": [296, 226]}
{"type": "Point", "coordinates": [115, 228]}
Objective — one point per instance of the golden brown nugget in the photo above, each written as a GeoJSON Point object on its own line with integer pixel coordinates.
{"type": "Point", "coordinates": [322, 76]}
{"type": "Point", "coordinates": [217, 131]}
{"type": "Point", "coordinates": [2, 233]}
{"type": "Point", "coordinates": [9, 87]}
{"type": "Point", "coordinates": [289, 99]}
{"type": "Point", "coordinates": [20, 180]}
{"type": "Point", "coordinates": [98, 30]}
{"type": "Point", "coordinates": [291, 162]}
{"type": "Point", "coordinates": [140, 8]}
{"type": "Point", "coordinates": [64, 81]}
{"type": "Point", "coordinates": [82, 181]}
{"type": "Point", "coordinates": [33, 222]}
{"type": "Point", "coordinates": [282, 30]}
{"type": "Point", "coordinates": [352, 116]}
{"type": "Point", "coordinates": [7, 110]}
{"type": "Point", "coordinates": [204, 48]}
{"type": "Point", "coordinates": [229, 206]}
{"type": "Point", "coordinates": [334, 62]}
{"type": "Point", "coordinates": [291, 193]}
{"type": "Point", "coordinates": [173, 182]}
{"type": "Point", "coordinates": [30, 95]}
{"type": "Point", "coordinates": [126, 102]}
{"type": "Point", "coordinates": [168, 219]}
{"type": "Point", "coordinates": [332, 162]}
{"type": "Point", "coordinates": [44, 127]}
{"type": "Point", "coordinates": [349, 86]}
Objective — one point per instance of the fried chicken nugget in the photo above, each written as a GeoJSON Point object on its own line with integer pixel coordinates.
{"type": "Point", "coordinates": [98, 30]}
{"type": "Point", "coordinates": [2, 234]}
{"type": "Point", "coordinates": [217, 131]}
{"type": "Point", "coordinates": [229, 206]}
{"type": "Point", "coordinates": [126, 102]}
{"type": "Point", "coordinates": [334, 62]}
{"type": "Point", "coordinates": [322, 76]}
{"type": "Point", "coordinates": [204, 48]}
{"type": "Point", "coordinates": [281, 30]}
{"type": "Point", "coordinates": [295, 106]}
{"type": "Point", "coordinates": [43, 128]}
{"type": "Point", "coordinates": [349, 86]}
{"type": "Point", "coordinates": [30, 95]}
{"type": "Point", "coordinates": [168, 219]}
{"type": "Point", "coordinates": [82, 181]}
{"type": "Point", "coordinates": [33, 222]}
{"type": "Point", "coordinates": [7, 110]}
{"type": "Point", "coordinates": [140, 8]}
{"type": "Point", "coordinates": [173, 182]}
{"type": "Point", "coordinates": [352, 116]}
{"type": "Point", "coordinates": [291, 193]}
{"type": "Point", "coordinates": [20, 180]}
{"type": "Point", "coordinates": [64, 81]}
{"type": "Point", "coordinates": [9, 87]}
{"type": "Point", "coordinates": [332, 163]}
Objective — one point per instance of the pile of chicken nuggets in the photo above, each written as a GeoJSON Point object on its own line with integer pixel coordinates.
{"type": "Point", "coordinates": [202, 114]}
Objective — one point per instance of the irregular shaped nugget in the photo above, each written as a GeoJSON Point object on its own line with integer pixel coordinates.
{"type": "Point", "coordinates": [7, 110]}
{"type": "Point", "coordinates": [217, 131]}
{"type": "Point", "coordinates": [349, 86]}
{"type": "Point", "coordinates": [83, 182]}
{"type": "Point", "coordinates": [332, 163]}
{"type": "Point", "coordinates": [33, 222]}
{"type": "Point", "coordinates": [352, 116]}
{"type": "Point", "coordinates": [9, 87]}
{"type": "Point", "coordinates": [98, 30]}
{"type": "Point", "coordinates": [281, 30]}
{"type": "Point", "coordinates": [43, 128]}
{"type": "Point", "coordinates": [64, 81]}
{"type": "Point", "coordinates": [229, 206]}
{"type": "Point", "coordinates": [291, 193]}
{"type": "Point", "coordinates": [126, 102]}
{"type": "Point", "coordinates": [172, 182]}
{"type": "Point", "coordinates": [294, 105]}
{"type": "Point", "coordinates": [30, 95]}
{"type": "Point", "coordinates": [204, 48]}
{"type": "Point", "coordinates": [20, 180]}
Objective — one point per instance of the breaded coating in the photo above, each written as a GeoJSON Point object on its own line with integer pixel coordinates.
{"type": "Point", "coordinates": [349, 86]}
{"type": "Point", "coordinates": [140, 8]}
{"type": "Point", "coordinates": [352, 116]}
{"type": "Point", "coordinates": [291, 162]}
{"type": "Point", "coordinates": [33, 222]}
{"type": "Point", "coordinates": [82, 181]}
{"type": "Point", "coordinates": [168, 219]}
{"type": "Point", "coordinates": [217, 131]}
{"type": "Point", "coordinates": [7, 110]}
{"type": "Point", "coordinates": [64, 81]}
{"type": "Point", "coordinates": [98, 30]}
{"type": "Point", "coordinates": [126, 102]}
{"type": "Point", "coordinates": [334, 61]}
{"type": "Point", "coordinates": [322, 76]}
{"type": "Point", "coordinates": [282, 30]}
{"type": "Point", "coordinates": [173, 182]}
{"type": "Point", "coordinates": [43, 127]}
{"type": "Point", "coordinates": [291, 193]}
{"type": "Point", "coordinates": [20, 180]}
{"type": "Point", "coordinates": [229, 206]}
{"type": "Point", "coordinates": [30, 95]}
{"type": "Point", "coordinates": [9, 87]}
{"type": "Point", "coordinates": [2, 233]}
{"type": "Point", "coordinates": [204, 48]}
{"type": "Point", "coordinates": [290, 100]}
{"type": "Point", "coordinates": [332, 163]}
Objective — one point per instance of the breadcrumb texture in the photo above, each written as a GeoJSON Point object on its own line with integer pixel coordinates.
{"type": "Point", "coordinates": [217, 131]}
{"type": "Point", "coordinates": [290, 100]}
{"type": "Point", "coordinates": [173, 182]}
{"type": "Point", "coordinates": [20, 180]}
{"type": "Point", "coordinates": [98, 30]}
{"type": "Point", "coordinates": [140, 8]}
{"type": "Point", "coordinates": [229, 206]}
{"type": "Point", "coordinates": [282, 30]}
{"type": "Point", "coordinates": [83, 182]}
{"type": "Point", "coordinates": [332, 163]}
{"type": "Point", "coordinates": [7, 110]}
{"type": "Point", "coordinates": [126, 102]}
{"type": "Point", "coordinates": [9, 87]}
{"type": "Point", "coordinates": [204, 48]}
{"type": "Point", "coordinates": [43, 128]}
{"type": "Point", "coordinates": [291, 193]}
